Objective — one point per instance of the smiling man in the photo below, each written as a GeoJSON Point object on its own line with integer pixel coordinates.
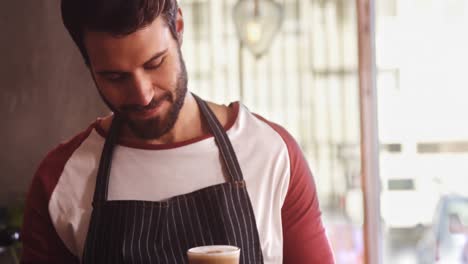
{"type": "Point", "coordinates": [127, 69]}
{"type": "Point", "coordinates": [166, 171]}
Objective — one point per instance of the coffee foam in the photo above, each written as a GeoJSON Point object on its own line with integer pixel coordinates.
{"type": "Point", "coordinates": [216, 250]}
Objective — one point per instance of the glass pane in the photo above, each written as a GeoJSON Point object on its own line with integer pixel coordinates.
{"type": "Point", "coordinates": [421, 60]}
{"type": "Point", "coordinates": [401, 185]}
{"type": "Point", "coordinates": [307, 83]}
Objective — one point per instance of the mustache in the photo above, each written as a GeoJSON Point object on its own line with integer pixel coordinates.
{"type": "Point", "coordinates": [151, 105]}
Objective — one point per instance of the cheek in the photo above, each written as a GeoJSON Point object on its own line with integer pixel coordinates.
{"type": "Point", "coordinates": [112, 94]}
{"type": "Point", "coordinates": [167, 76]}
{"type": "Point", "coordinates": [167, 79]}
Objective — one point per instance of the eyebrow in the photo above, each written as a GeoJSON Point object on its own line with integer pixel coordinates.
{"type": "Point", "coordinates": [154, 57]}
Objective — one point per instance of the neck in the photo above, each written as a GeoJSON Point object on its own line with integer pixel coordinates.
{"type": "Point", "coordinates": [187, 126]}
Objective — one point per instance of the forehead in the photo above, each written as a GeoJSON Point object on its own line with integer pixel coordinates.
{"type": "Point", "coordinates": [124, 52]}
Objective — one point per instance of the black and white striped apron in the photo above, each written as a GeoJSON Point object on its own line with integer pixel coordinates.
{"type": "Point", "coordinates": [162, 232]}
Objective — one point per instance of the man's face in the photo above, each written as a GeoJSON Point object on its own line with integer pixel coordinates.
{"type": "Point", "coordinates": [140, 76]}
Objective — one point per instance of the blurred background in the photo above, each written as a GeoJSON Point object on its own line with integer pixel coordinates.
{"type": "Point", "coordinates": [302, 74]}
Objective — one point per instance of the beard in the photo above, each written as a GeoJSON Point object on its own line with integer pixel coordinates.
{"type": "Point", "coordinates": [155, 127]}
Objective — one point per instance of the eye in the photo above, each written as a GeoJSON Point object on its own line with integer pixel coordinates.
{"type": "Point", "coordinates": [114, 77]}
{"type": "Point", "coordinates": [154, 65]}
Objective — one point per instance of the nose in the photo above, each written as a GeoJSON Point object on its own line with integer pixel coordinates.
{"type": "Point", "coordinates": [141, 92]}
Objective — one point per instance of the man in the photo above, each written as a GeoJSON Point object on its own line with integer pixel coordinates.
{"type": "Point", "coordinates": [166, 171]}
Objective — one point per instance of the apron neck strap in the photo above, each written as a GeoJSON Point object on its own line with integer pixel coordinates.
{"type": "Point", "coordinates": [102, 178]}
{"type": "Point", "coordinates": [222, 140]}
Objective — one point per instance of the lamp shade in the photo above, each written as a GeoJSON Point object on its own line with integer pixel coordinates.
{"type": "Point", "coordinates": [257, 22]}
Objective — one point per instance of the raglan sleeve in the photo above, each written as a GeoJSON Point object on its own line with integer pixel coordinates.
{"type": "Point", "coordinates": [305, 240]}
{"type": "Point", "coordinates": [40, 241]}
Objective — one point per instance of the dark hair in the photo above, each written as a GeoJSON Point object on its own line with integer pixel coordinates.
{"type": "Point", "coordinates": [118, 17]}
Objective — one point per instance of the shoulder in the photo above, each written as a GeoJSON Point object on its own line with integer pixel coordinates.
{"type": "Point", "coordinates": [52, 165]}
{"type": "Point", "coordinates": [291, 144]}
{"type": "Point", "coordinates": [298, 167]}
{"type": "Point", "coordinates": [41, 242]}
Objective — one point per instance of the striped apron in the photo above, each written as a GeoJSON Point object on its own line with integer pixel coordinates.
{"type": "Point", "coordinates": [162, 232]}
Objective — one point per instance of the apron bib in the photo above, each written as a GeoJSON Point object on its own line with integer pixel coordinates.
{"type": "Point", "coordinates": [162, 232]}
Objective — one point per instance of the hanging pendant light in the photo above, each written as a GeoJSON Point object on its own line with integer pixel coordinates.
{"type": "Point", "coordinates": [257, 22]}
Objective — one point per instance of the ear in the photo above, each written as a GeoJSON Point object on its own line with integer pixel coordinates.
{"type": "Point", "coordinates": [180, 26]}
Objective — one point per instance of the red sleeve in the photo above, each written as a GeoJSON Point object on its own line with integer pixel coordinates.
{"type": "Point", "coordinates": [41, 243]}
{"type": "Point", "coordinates": [305, 241]}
